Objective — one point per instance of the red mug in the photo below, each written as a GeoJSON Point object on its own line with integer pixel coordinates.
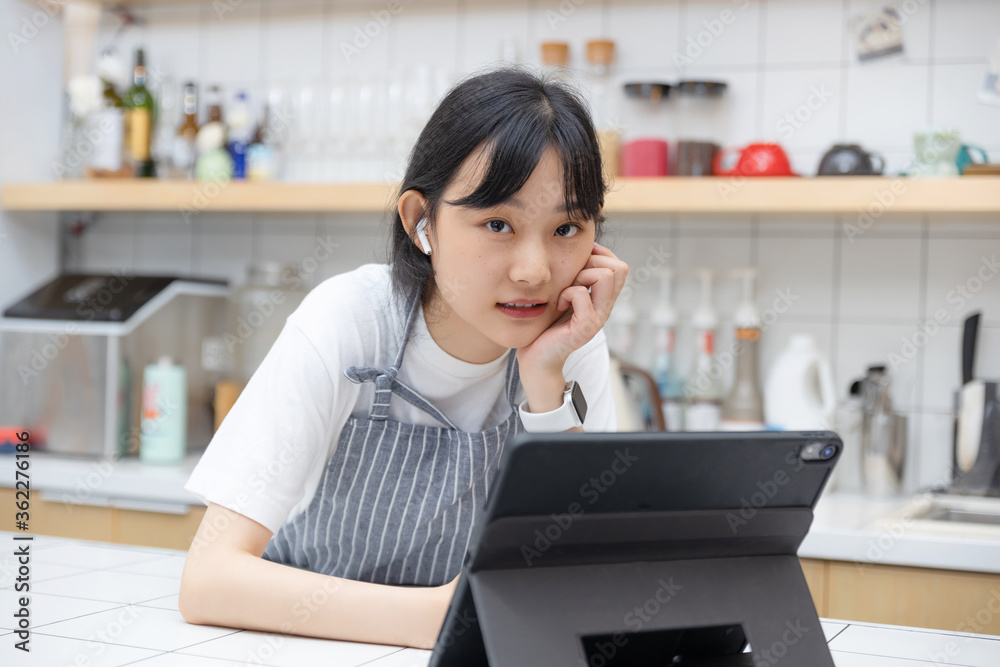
{"type": "Point", "coordinates": [644, 157]}
{"type": "Point", "coordinates": [755, 160]}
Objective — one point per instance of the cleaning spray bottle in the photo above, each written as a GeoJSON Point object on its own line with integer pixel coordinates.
{"type": "Point", "coordinates": [668, 380]}
{"type": "Point", "coordinates": [704, 385]}
{"type": "Point", "coordinates": [743, 409]}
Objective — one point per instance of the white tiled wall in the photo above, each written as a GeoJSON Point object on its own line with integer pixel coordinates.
{"type": "Point", "coordinates": [29, 133]}
{"type": "Point", "coordinates": [859, 298]}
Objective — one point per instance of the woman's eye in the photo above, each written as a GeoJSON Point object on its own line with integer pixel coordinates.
{"type": "Point", "coordinates": [493, 223]}
{"type": "Point", "coordinates": [573, 229]}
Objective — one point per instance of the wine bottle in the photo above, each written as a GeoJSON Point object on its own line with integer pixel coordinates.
{"type": "Point", "coordinates": [184, 142]}
{"type": "Point", "coordinates": [214, 99]}
{"type": "Point", "coordinates": [139, 118]}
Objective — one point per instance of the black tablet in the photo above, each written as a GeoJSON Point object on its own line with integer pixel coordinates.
{"type": "Point", "coordinates": [570, 498]}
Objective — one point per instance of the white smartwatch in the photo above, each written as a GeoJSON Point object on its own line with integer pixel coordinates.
{"type": "Point", "coordinates": [571, 413]}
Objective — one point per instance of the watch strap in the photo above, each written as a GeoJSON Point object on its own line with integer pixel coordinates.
{"type": "Point", "coordinates": [562, 418]}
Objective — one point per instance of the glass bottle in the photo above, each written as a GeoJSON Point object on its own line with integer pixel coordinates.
{"type": "Point", "coordinates": [239, 134]}
{"type": "Point", "coordinates": [187, 133]}
{"type": "Point", "coordinates": [214, 100]}
{"type": "Point", "coordinates": [110, 125]}
{"type": "Point", "coordinates": [139, 118]}
{"type": "Point", "coordinates": [257, 313]}
{"type": "Point", "coordinates": [166, 116]}
{"type": "Point", "coordinates": [213, 162]}
{"type": "Point", "coordinates": [600, 55]}
{"type": "Point", "coordinates": [260, 154]}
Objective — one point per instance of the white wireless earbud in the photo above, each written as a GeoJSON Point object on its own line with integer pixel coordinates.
{"type": "Point", "coordinates": [422, 235]}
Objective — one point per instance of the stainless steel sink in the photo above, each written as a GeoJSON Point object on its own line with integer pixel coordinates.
{"type": "Point", "coordinates": [945, 514]}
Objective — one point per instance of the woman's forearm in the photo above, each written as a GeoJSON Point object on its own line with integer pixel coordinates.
{"type": "Point", "coordinates": [244, 591]}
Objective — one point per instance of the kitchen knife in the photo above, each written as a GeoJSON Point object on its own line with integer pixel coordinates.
{"type": "Point", "coordinates": [972, 400]}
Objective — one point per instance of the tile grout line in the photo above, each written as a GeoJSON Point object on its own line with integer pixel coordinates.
{"type": "Point", "coordinates": [681, 19]}
{"type": "Point", "coordinates": [916, 448]}
{"type": "Point", "coordinates": [930, 65]}
{"type": "Point", "coordinates": [530, 36]}
{"type": "Point", "coordinates": [760, 79]}
{"type": "Point", "coordinates": [838, 241]}
{"type": "Point", "coordinates": [383, 657]}
{"type": "Point", "coordinates": [839, 632]}
{"type": "Point", "coordinates": [86, 641]}
{"type": "Point", "coordinates": [262, 21]}
{"type": "Point", "coordinates": [146, 648]}
{"type": "Point", "coordinates": [324, 47]}
{"type": "Point", "coordinates": [844, 56]}
{"type": "Point", "coordinates": [461, 16]}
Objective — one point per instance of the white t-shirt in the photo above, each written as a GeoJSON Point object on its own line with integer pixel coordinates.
{"type": "Point", "coordinates": [268, 456]}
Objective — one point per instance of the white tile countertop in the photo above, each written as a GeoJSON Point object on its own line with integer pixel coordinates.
{"type": "Point", "coordinates": [847, 527]}
{"type": "Point", "coordinates": [852, 527]}
{"type": "Point", "coordinates": [101, 604]}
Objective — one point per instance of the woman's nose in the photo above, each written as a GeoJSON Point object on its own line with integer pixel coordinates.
{"type": "Point", "coordinates": [530, 264]}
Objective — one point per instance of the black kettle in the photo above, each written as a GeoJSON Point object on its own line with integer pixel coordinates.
{"type": "Point", "coordinates": [850, 160]}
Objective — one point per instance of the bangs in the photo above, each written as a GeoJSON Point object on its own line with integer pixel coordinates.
{"type": "Point", "coordinates": [515, 145]}
{"type": "Point", "coordinates": [506, 118]}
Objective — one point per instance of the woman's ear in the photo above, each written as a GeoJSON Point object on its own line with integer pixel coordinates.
{"type": "Point", "coordinates": [412, 207]}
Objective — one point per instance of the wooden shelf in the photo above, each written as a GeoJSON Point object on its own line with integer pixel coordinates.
{"type": "Point", "coordinates": [153, 195]}
{"type": "Point", "coordinates": [975, 194]}
{"type": "Point", "coordinates": [830, 194]}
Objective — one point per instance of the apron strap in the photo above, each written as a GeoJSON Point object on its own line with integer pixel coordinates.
{"type": "Point", "coordinates": [386, 383]}
{"type": "Point", "coordinates": [513, 379]}
{"type": "Point", "coordinates": [414, 303]}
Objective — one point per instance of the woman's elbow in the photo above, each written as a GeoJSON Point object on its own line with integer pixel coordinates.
{"type": "Point", "coordinates": [193, 592]}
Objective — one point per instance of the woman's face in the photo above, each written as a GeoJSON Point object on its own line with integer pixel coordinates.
{"type": "Point", "coordinates": [526, 248]}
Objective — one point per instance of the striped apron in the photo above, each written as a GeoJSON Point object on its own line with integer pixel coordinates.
{"type": "Point", "coordinates": [397, 502]}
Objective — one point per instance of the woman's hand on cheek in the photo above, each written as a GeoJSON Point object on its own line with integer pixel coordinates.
{"type": "Point", "coordinates": [586, 306]}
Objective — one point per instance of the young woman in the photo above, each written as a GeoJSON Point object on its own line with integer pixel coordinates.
{"type": "Point", "coordinates": [362, 449]}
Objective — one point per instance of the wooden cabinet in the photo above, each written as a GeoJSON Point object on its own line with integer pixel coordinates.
{"type": "Point", "coordinates": [815, 572]}
{"type": "Point", "coordinates": [912, 596]}
{"type": "Point", "coordinates": [106, 524]}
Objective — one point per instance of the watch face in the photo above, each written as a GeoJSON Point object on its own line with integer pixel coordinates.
{"type": "Point", "coordinates": [579, 402]}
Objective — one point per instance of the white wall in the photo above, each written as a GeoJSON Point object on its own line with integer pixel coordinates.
{"type": "Point", "coordinates": [861, 298]}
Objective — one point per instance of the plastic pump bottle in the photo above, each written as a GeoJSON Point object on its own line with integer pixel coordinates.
{"type": "Point", "coordinates": [743, 409]}
{"type": "Point", "coordinates": [163, 436]}
{"type": "Point", "coordinates": [704, 385]}
{"type": "Point", "coordinates": [668, 380]}
{"type": "Point", "coordinates": [621, 328]}
{"type": "Point", "coordinates": [799, 394]}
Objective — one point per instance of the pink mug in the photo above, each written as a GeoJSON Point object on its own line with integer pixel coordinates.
{"type": "Point", "coordinates": [644, 157]}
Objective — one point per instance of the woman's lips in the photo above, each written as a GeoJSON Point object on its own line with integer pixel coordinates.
{"type": "Point", "coordinates": [522, 312]}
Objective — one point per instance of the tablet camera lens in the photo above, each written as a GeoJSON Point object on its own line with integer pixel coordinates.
{"type": "Point", "coordinates": [818, 451]}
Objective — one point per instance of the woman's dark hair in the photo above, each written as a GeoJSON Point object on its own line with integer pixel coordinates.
{"type": "Point", "coordinates": [516, 115]}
